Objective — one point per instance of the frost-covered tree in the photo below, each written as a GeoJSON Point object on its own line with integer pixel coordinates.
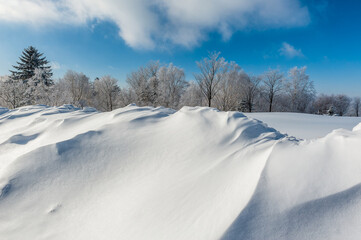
{"type": "Point", "coordinates": [60, 93]}
{"type": "Point", "coordinates": [157, 84]}
{"type": "Point", "coordinates": [249, 92]}
{"type": "Point", "coordinates": [212, 70]}
{"type": "Point", "coordinates": [151, 93]}
{"type": "Point", "coordinates": [300, 89]}
{"type": "Point", "coordinates": [192, 96]}
{"type": "Point", "coordinates": [30, 60]}
{"type": "Point", "coordinates": [332, 104]}
{"type": "Point", "coordinates": [145, 83]}
{"type": "Point", "coordinates": [137, 82]}
{"type": "Point", "coordinates": [323, 103]}
{"type": "Point", "coordinates": [78, 88]}
{"type": "Point", "coordinates": [39, 90]}
{"type": "Point", "coordinates": [106, 93]}
{"type": "Point", "coordinates": [356, 106]}
{"type": "Point", "coordinates": [230, 88]}
{"type": "Point", "coordinates": [272, 85]}
{"type": "Point", "coordinates": [341, 104]}
{"type": "Point", "coordinates": [172, 85]}
{"type": "Point", "coordinates": [12, 92]}
{"type": "Point", "coordinates": [126, 97]}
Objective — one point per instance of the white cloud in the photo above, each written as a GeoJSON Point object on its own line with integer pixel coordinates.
{"type": "Point", "coordinates": [148, 23]}
{"type": "Point", "coordinates": [290, 51]}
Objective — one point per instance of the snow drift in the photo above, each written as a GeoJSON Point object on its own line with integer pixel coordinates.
{"type": "Point", "coordinates": [154, 173]}
{"type": "Point", "coordinates": [305, 126]}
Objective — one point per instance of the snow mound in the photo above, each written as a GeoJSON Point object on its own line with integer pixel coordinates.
{"type": "Point", "coordinates": [305, 126]}
{"type": "Point", "coordinates": [156, 173]}
{"type": "Point", "coordinates": [357, 127]}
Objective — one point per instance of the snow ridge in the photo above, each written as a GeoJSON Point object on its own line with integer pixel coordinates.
{"type": "Point", "coordinates": [156, 173]}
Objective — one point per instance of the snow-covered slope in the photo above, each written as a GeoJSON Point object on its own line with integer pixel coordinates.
{"type": "Point", "coordinates": [153, 173]}
{"type": "Point", "coordinates": [305, 126]}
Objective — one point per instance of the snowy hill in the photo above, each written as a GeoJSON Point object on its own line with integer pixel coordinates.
{"type": "Point", "coordinates": [305, 126]}
{"type": "Point", "coordinates": [153, 173]}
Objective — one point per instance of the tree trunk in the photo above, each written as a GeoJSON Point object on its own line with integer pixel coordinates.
{"type": "Point", "coordinates": [270, 105]}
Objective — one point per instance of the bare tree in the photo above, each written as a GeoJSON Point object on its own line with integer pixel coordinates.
{"type": "Point", "coordinates": [39, 88]}
{"type": "Point", "coordinates": [78, 86]}
{"type": "Point", "coordinates": [323, 103]}
{"type": "Point", "coordinates": [356, 105]}
{"type": "Point", "coordinates": [250, 90]}
{"type": "Point", "coordinates": [172, 85]}
{"type": "Point", "coordinates": [145, 84]}
{"type": "Point", "coordinates": [127, 96]}
{"type": "Point", "coordinates": [273, 83]}
{"type": "Point", "coordinates": [341, 104]}
{"type": "Point", "coordinates": [106, 93]}
{"type": "Point", "coordinates": [60, 94]}
{"type": "Point", "coordinates": [210, 75]}
{"type": "Point", "coordinates": [230, 88]}
{"type": "Point", "coordinates": [12, 92]}
{"type": "Point", "coordinates": [300, 89]}
{"type": "Point", "coordinates": [192, 96]}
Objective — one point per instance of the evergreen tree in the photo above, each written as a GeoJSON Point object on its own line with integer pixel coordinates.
{"type": "Point", "coordinates": [30, 60]}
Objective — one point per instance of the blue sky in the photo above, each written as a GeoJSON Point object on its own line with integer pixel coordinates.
{"type": "Point", "coordinates": [117, 36]}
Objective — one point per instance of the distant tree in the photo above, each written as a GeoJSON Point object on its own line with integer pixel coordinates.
{"type": "Point", "coordinates": [151, 93]}
{"type": "Point", "coordinates": [38, 91]}
{"type": "Point", "coordinates": [145, 84]}
{"type": "Point", "coordinates": [78, 87]}
{"type": "Point", "coordinates": [156, 84]}
{"type": "Point", "coordinates": [137, 82]}
{"type": "Point", "coordinates": [172, 85]}
{"type": "Point", "coordinates": [341, 104]}
{"type": "Point", "coordinates": [300, 89]}
{"type": "Point", "coordinates": [107, 93]}
{"type": "Point", "coordinates": [30, 60]}
{"type": "Point", "coordinates": [323, 104]}
{"type": "Point", "coordinates": [282, 104]}
{"type": "Point", "coordinates": [356, 105]}
{"type": "Point", "coordinates": [230, 88]}
{"type": "Point", "coordinates": [12, 92]}
{"type": "Point", "coordinates": [127, 96]}
{"type": "Point", "coordinates": [210, 76]}
{"type": "Point", "coordinates": [192, 96]}
{"type": "Point", "coordinates": [249, 90]}
{"type": "Point", "coordinates": [60, 93]}
{"type": "Point", "coordinates": [273, 84]}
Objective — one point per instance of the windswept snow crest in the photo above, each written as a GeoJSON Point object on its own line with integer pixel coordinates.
{"type": "Point", "coordinates": [156, 173]}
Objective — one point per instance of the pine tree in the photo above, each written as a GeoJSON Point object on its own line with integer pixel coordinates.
{"type": "Point", "coordinates": [30, 60]}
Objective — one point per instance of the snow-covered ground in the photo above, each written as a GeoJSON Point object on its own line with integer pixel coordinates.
{"type": "Point", "coordinates": [153, 173]}
{"type": "Point", "coordinates": [305, 126]}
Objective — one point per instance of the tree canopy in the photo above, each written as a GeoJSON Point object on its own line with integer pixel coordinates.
{"type": "Point", "coordinates": [30, 60]}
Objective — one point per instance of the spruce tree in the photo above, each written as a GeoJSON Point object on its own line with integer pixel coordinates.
{"type": "Point", "coordinates": [30, 60]}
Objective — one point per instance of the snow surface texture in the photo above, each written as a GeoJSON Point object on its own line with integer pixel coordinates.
{"type": "Point", "coordinates": [153, 173]}
{"type": "Point", "coordinates": [305, 126]}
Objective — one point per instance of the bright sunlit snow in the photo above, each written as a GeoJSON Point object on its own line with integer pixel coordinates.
{"type": "Point", "coordinates": [305, 126]}
{"type": "Point", "coordinates": [198, 173]}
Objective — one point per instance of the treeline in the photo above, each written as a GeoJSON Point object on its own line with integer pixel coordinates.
{"type": "Point", "coordinates": [218, 83]}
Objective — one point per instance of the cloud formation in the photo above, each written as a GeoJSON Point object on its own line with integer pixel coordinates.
{"type": "Point", "coordinates": [148, 23]}
{"type": "Point", "coordinates": [290, 51]}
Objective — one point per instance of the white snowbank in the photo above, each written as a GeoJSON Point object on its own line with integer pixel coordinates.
{"type": "Point", "coordinates": [153, 173]}
{"type": "Point", "coordinates": [305, 126]}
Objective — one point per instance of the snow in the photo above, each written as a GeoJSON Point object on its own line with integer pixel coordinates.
{"type": "Point", "coordinates": [305, 126]}
{"type": "Point", "coordinates": [156, 173]}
